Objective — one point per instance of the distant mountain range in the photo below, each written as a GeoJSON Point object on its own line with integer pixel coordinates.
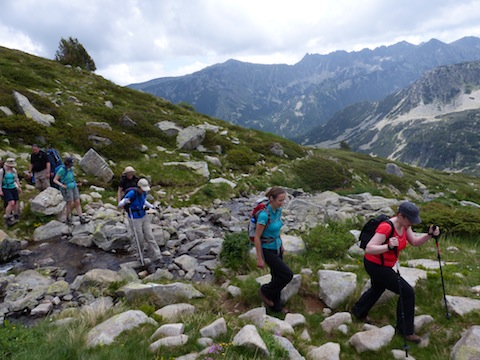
{"type": "Point", "coordinates": [295, 100]}
{"type": "Point", "coordinates": [435, 122]}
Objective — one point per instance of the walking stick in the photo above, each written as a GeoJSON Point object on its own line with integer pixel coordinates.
{"type": "Point", "coordinates": [405, 346]}
{"type": "Point", "coordinates": [136, 237]}
{"type": "Point", "coordinates": [447, 314]}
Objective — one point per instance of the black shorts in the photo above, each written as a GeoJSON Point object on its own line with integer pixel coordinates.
{"type": "Point", "coordinates": [10, 194]}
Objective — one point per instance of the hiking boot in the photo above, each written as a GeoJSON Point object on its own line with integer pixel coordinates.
{"type": "Point", "coordinates": [414, 338]}
{"type": "Point", "coordinates": [83, 220]}
{"type": "Point", "coordinates": [16, 217]}
{"type": "Point", "coordinates": [68, 221]}
{"type": "Point", "coordinates": [9, 222]}
{"type": "Point", "coordinates": [265, 300]}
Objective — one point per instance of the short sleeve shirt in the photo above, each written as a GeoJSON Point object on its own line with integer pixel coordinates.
{"type": "Point", "coordinates": [272, 230]}
{"type": "Point", "coordinates": [389, 257]}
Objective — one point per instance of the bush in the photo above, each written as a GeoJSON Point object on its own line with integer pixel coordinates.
{"type": "Point", "coordinates": [235, 251]}
{"type": "Point", "coordinates": [464, 221]}
{"type": "Point", "coordinates": [242, 158]}
{"type": "Point", "coordinates": [320, 174]}
{"type": "Point", "coordinates": [330, 241]}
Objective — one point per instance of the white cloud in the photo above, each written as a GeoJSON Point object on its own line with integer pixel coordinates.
{"type": "Point", "coordinates": [138, 40]}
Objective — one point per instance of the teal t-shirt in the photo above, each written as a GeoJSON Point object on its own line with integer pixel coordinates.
{"type": "Point", "coordinates": [8, 180]}
{"type": "Point", "coordinates": [273, 228]}
{"type": "Point", "coordinates": [66, 177]}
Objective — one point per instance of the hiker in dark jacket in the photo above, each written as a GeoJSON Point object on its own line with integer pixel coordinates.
{"type": "Point", "coordinates": [128, 181]}
{"type": "Point", "coordinates": [381, 254]}
{"type": "Point", "coordinates": [269, 248]}
{"type": "Point", "coordinates": [39, 168]}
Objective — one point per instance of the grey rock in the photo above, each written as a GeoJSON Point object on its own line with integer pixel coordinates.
{"type": "Point", "coordinates": [27, 109]}
{"type": "Point", "coordinates": [468, 347]}
{"type": "Point", "coordinates": [49, 202]}
{"type": "Point", "coordinates": [462, 305]}
{"type": "Point", "coordinates": [335, 286]}
{"type": "Point", "coordinates": [169, 341]}
{"type": "Point", "coordinates": [175, 311]}
{"type": "Point", "coordinates": [190, 137]}
{"type": "Point", "coordinates": [372, 340]}
{"type": "Point", "coordinates": [249, 337]}
{"type": "Point", "coordinates": [293, 353]}
{"type": "Point", "coordinates": [328, 351]}
{"type": "Point", "coordinates": [168, 330]}
{"type": "Point", "coordinates": [92, 163]}
{"type": "Point", "coordinates": [215, 329]}
{"type": "Point", "coordinates": [106, 332]}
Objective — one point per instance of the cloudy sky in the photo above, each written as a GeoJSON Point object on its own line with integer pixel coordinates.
{"type": "Point", "coordinates": [138, 40]}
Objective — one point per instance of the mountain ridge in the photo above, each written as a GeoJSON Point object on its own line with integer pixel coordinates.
{"type": "Point", "coordinates": [290, 100]}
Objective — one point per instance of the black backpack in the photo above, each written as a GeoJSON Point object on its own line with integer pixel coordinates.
{"type": "Point", "coordinates": [369, 228]}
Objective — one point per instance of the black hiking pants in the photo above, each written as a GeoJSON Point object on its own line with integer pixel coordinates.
{"type": "Point", "coordinates": [281, 276]}
{"type": "Point", "coordinates": [384, 277]}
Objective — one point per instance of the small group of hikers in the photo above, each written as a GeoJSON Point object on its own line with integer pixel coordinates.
{"type": "Point", "coordinates": [381, 254]}
{"type": "Point", "coordinates": [46, 169]}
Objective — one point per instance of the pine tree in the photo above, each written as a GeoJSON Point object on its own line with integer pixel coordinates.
{"type": "Point", "coordinates": [71, 52]}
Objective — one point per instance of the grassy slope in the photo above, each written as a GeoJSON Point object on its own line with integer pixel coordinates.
{"type": "Point", "coordinates": [345, 172]}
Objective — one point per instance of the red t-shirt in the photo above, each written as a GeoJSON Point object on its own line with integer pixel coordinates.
{"type": "Point", "coordinates": [389, 258]}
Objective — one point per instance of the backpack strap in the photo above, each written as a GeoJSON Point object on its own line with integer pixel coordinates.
{"type": "Point", "coordinates": [388, 238]}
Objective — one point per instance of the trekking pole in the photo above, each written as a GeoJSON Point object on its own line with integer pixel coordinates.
{"type": "Point", "coordinates": [136, 237]}
{"type": "Point", "coordinates": [402, 311]}
{"type": "Point", "coordinates": [447, 314]}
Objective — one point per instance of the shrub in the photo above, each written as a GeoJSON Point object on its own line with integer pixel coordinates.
{"type": "Point", "coordinates": [234, 252]}
{"type": "Point", "coordinates": [320, 174]}
{"type": "Point", "coordinates": [330, 241]}
{"type": "Point", "coordinates": [242, 158]}
{"type": "Point", "coordinates": [464, 221]}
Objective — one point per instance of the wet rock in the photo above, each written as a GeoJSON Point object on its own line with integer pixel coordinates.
{"type": "Point", "coordinates": [9, 249]}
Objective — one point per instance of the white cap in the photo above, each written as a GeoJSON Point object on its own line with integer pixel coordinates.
{"type": "Point", "coordinates": [143, 184]}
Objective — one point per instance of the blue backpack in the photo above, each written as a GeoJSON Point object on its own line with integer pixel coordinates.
{"type": "Point", "coordinates": [54, 159]}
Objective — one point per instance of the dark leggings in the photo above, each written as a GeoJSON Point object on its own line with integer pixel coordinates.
{"type": "Point", "coordinates": [384, 277]}
{"type": "Point", "coordinates": [281, 276]}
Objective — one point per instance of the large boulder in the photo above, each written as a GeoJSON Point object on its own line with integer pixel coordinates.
{"type": "Point", "coordinates": [27, 109]}
{"type": "Point", "coordinates": [48, 202]}
{"type": "Point", "coordinates": [190, 137]}
{"type": "Point", "coordinates": [92, 163]}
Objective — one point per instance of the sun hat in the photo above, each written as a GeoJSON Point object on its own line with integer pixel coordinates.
{"type": "Point", "coordinates": [143, 184]}
{"type": "Point", "coordinates": [129, 169]}
{"type": "Point", "coordinates": [10, 162]}
{"type": "Point", "coordinates": [410, 211]}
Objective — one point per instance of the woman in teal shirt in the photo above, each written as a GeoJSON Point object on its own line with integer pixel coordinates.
{"type": "Point", "coordinates": [268, 245]}
{"type": "Point", "coordinates": [65, 179]}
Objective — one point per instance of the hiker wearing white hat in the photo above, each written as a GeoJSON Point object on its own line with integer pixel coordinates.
{"type": "Point", "coordinates": [10, 190]}
{"type": "Point", "coordinates": [135, 202]}
{"type": "Point", "coordinates": [128, 181]}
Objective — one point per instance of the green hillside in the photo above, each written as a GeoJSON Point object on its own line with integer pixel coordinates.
{"type": "Point", "coordinates": [75, 97]}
